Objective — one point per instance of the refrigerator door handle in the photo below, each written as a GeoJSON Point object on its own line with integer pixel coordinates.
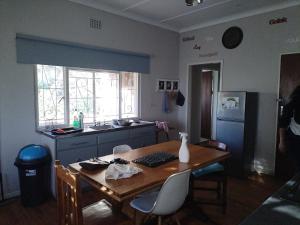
{"type": "Point", "coordinates": [281, 110]}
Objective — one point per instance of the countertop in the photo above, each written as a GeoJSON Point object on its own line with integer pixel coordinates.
{"type": "Point", "coordinates": [277, 209]}
{"type": "Point", "coordinates": [90, 131]}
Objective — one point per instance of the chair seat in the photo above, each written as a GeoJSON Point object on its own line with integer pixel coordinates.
{"type": "Point", "coordinates": [213, 168]}
{"type": "Point", "coordinates": [101, 213]}
{"type": "Point", "coordinates": [145, 202]}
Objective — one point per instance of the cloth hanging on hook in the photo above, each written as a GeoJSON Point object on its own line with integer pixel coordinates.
{"type": "Point", "coordinates": [166, 103]}
{"type": "Point", "coordinates": [180, 99]}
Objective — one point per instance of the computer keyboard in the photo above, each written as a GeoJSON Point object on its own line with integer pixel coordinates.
{"type": "Point", "coordinates": [155, 159]}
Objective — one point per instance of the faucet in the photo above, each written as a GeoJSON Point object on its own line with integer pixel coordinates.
{"type": "Point", "coordinates": [97, 123]}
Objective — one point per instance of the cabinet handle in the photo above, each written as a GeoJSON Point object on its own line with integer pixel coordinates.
{"type": "Point", "coordinates": [80, 143]}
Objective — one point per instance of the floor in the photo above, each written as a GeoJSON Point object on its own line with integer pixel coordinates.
{"type": "Point", "coordinates": [244, 195]}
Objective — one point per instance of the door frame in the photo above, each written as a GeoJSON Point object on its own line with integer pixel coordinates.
{"type": "Point", "coordinates": [277, 104]}
{"type": "Point", "coordinates": [189, 91]}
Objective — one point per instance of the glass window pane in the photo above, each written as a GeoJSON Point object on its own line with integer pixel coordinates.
{"type": "Point", "coordinates": [129, 91]}
{"type": "Point", "coordinates": [107, 96]}
{"type": "Point", "coordinates": [81, 94]}
{"type": "Point", "coordinates": [50, 90]}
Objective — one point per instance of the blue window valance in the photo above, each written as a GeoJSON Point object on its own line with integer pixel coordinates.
{"type": "Point", "coordinates": [37, 50]}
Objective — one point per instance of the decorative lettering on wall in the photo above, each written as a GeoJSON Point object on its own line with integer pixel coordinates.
{"type": "Point", "coordinates": [278, 20]}
{"type": "Point", "coordinates": [197, 47]}
{"type": "Point", "coordinates": [190, 38]}
{"type": "Point", "coordinates": [208, 39]}
{"type": "Point", "coordinates": [208, 54]}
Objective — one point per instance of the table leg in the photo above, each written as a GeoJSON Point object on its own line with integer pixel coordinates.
{"type": "Point", "coordinates": [195, 211]}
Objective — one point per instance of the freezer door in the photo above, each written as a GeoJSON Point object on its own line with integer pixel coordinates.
{"type": "Point", "coordinates": [231, 106]}
{"type": "Point", "coordinates": [232, 134]}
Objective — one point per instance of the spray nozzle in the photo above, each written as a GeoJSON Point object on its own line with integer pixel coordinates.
{"type": "Point", "coordinates": [183, 135]}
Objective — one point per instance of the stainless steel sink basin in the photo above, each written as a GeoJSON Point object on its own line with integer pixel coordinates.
{"type": "Point", "coordinates": [102, 127]}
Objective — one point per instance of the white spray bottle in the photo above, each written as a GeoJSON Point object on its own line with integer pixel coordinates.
{"type": "Point", "coordinates": [184, 153]}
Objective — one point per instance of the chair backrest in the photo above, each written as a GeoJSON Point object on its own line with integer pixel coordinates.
{"type": "Point", "coordinates": [68, 196]}
{"type": "Point", "coordinates": [216, 144]}
{"type": "Point", "coordinates": [121, 149]}
{"type": "Point", "coordinates": [172, 194]}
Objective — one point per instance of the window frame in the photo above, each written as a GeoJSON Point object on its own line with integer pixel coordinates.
{"type": "Point", "coordinates": [67, 118]}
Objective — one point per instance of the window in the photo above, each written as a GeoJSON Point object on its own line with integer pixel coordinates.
{"type": "Point", "coordinates": [101, 95]}
{"type": "Point", "coordinates": [50, 95]}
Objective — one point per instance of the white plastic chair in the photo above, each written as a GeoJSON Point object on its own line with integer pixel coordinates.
{"type": "Point", "coordinates": [168, 200]}
{"type": "Point", "coordinates": [121, 149]}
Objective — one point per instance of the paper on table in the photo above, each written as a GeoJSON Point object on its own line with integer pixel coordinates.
{"type": "Point", "coordinates": [119, 171]}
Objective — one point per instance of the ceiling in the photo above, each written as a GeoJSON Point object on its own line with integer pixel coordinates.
{"type": "Point", "coordinates": [175, 15]}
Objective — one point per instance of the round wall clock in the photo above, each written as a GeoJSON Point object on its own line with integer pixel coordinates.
{"type": "Point", "coordinates": [232, 37]}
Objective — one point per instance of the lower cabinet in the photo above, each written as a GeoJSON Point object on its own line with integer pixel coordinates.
{"type": "Point", "coordinates": [108, 140]}
{"type": "Point", "coordinates": [107, 148]}
{"type": "Point", "coordinates": [73, 149]}
{"type": "Point", "coordinates": [139, 142]}
{"type": "Point", "coordinates": [135, 138]}
{"type": "Point", "coordinates": [142, 137]}
{"type": "Point", "coordinates": [77, 154]}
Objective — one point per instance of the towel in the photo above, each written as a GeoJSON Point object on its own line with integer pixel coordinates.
{"type": "Point", "coordinates": [180, 99]}
{"type": "Point", "coordinates": [166, 105]}
{"type": "Point", "coordinates": [119, 171]}
{"type": "Point", "coordinates": [162, 125]}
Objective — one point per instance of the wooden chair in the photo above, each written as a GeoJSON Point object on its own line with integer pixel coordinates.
{"type": "Point", "coordinates": [70, 211]}
{"type": "Point", "coordinates": [213, 173]}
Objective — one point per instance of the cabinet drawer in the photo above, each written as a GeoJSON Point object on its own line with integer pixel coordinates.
{"type": "Point", "coordinates": [76, 142]}
{"type": "Point", "coordinates": [113, 136]}
{"type": "Point", "coordinates": [143, 131]}
{"type": "Point", "coordinates": [77, 154]}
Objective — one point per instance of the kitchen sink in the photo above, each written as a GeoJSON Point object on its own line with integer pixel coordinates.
{"type": "Point", "coordinates": [102, 127]}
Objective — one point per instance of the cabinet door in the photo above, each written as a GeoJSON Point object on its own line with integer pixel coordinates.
{"type": "Point", "coordinates": [142, 141]}
{"type": "Point", "coordinates": [142, 131]}
{"type": "Point", "coordinates": [149, 140]}
{"type": "Point", "coordinates": [136, 142]}
{"type": "Point", "coordinates": [143, 136]}
{"type": "Point", "coordinates": [76, 154]}
{"type": "Point", "coordinates": [107, 148]}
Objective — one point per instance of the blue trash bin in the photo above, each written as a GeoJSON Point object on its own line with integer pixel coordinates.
{"type": "Point", "coordinates": [33, 162]}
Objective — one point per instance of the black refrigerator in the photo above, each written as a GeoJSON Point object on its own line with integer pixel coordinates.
{"type": "Point", "coordinates": [236, 127]}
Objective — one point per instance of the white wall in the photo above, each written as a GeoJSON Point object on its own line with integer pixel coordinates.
{"type": "Point", "coordinates": [253, 66]}
{"type": "Point", "coordinates": [63, 20]}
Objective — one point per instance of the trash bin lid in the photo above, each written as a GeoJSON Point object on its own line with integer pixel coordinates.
{"type": "Point", "coordinates": [33, 152]}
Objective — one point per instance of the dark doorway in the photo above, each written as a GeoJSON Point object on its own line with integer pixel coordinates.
{"type": "Point", "coordinates": [206, 103]}
{"type": "Point", "coordinates": [289, 79]}
{"type": "Point", "coordinates": [203, 88]}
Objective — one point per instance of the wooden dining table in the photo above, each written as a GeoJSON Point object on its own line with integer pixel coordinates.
{"type": "Point", "coordinates": [123, 189]}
